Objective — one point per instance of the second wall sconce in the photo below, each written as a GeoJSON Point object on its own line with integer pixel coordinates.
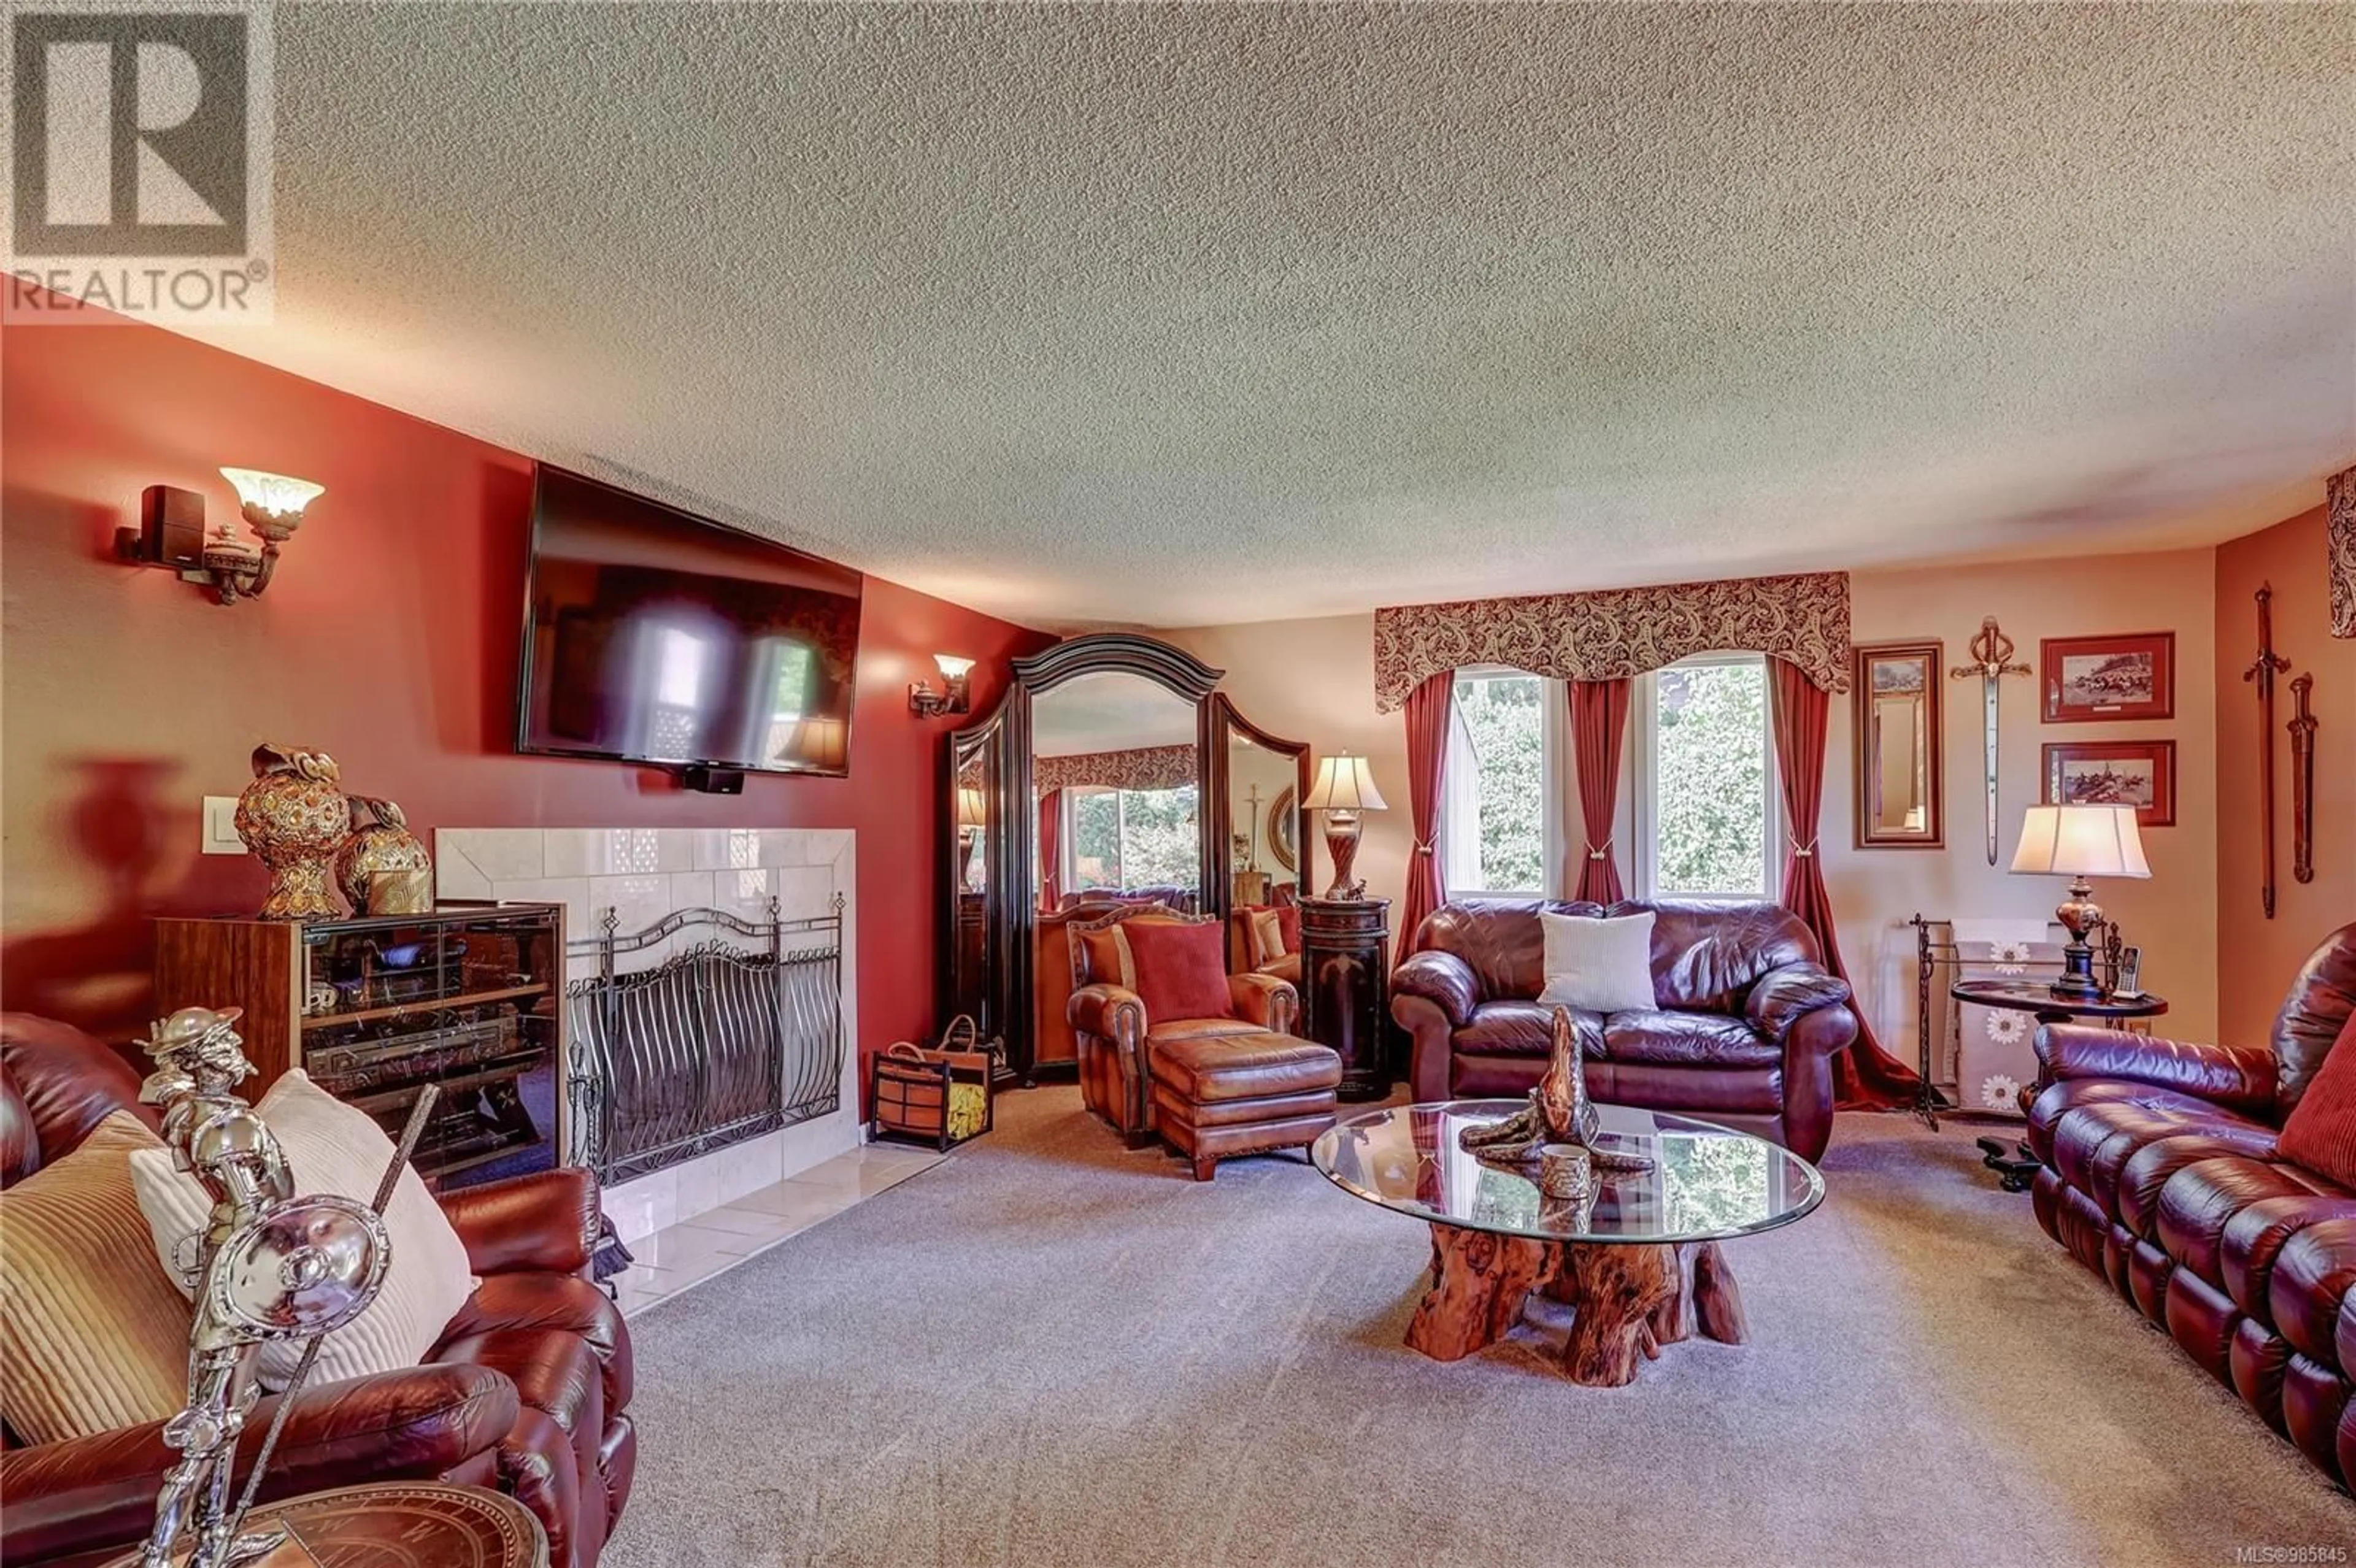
{"type": "Point", "coordinates": [952, 698]}
{"type": "Point", "coordinates": [171, 532]}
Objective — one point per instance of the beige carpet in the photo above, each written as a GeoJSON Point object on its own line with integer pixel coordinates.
{"type": "Point", "coordinates": [1048, 1351]}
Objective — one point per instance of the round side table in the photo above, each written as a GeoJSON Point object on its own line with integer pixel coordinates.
{"type": "Point", "coordinates": [385, 1522]}
{"type": "Point", "coordinates": [2016, 1168]}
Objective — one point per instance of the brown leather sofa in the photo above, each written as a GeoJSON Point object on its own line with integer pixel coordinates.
{"type": "Point", "coordinates": [525, 1390]}
{"type": "Point", "coordinates": [1184, 899]}
{"type": "Point", "coordinates": [1117, 1040]}
{"type": "Point", "coordinates": [2162, 1175]}
{"type": "Point", "coordinates": [1745, 1024]}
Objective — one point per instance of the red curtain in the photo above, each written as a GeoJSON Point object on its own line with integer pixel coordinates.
{"type": "Point", "coordinates": [1428, 711]}
{"type": "Point", "coordinates": [1598, 723]}
{"type": "Point", "coordinates": [1051, 850]}
{"type": "Point", "coordinates": [1865, 1076]}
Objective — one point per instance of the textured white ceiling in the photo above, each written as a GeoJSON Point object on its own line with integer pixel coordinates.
{"type": "Point", "coordinates": [1109, 712]}
{"type": "Point", "coordinates": [1175, 317]}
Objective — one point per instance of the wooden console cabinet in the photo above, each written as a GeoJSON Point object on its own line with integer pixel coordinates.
{"type": "Point", "coordinates": [469, 996]}
{"type": "Point", "coordinates": [1345, 989]}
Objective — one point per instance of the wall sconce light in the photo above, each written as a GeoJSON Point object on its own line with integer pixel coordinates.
{"type": "Point", "coordinates": [952, 698]}
{"type": "Point", "coordinates": [171, 532]}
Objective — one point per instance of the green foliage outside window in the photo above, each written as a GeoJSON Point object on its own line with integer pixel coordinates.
{"type": "Point", "coordinates": [1507, 729]}
{"type": "Point", "coordinates": [1095, 837]}
{"type": "Point", "coordinates": [1711, 779]}
{"type": "Point", "coordinates": [1135, 839]}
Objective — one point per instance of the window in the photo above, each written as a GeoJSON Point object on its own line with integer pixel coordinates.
{"type": "Point", "coordinates": [1125, 838]}
{"type": "Point", "coordinates": [1498, 830]}
{"type": "Point", "coordinates": [1707, 808]}
{"type": "Point", "coordinates": [1700, 812]}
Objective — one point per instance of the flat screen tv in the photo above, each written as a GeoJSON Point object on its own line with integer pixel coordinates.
{"type": "Point", "coordinates": [652, 635]}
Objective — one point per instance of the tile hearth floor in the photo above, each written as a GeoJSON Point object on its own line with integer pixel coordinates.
{"type": "Point", "coordinates": [679, 1256]}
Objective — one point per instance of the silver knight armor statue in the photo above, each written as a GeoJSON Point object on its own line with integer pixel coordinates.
{"type": "Point", "coordinates": [270, 1266]}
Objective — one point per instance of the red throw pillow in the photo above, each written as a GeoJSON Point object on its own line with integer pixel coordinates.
{"type": "Point", "coordinates": [1107, 956]}
{"type": "Point", "coordinates": [2321, 1133]}
{"type": "Point", "coordinates": [1287, 921]}
{"type": "Point", "coordinates": [1181, 969]}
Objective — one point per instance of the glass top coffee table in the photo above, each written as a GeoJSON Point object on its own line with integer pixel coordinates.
{"type": "Point", "coordinates": [1636, 1260]}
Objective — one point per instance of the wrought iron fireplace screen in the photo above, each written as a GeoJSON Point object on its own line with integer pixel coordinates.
{"type": "Point", "coordinates": [719, 1042]}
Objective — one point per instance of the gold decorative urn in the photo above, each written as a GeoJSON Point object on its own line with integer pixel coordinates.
{"type": "Point", "coordinates": [293, 816]}
{"type": "Point", "coordinates": [370, 866]}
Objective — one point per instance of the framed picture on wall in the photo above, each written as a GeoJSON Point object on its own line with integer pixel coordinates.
{"type": "Point", "coordinates": [2091, 680]}
{"type": "Point", "coordinates": [2141, 773]}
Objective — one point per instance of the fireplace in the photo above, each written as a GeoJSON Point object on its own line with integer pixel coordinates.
{"type": "Point", "coordinates": [700, 1031]}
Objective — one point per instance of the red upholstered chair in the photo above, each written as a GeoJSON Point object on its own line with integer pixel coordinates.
{"type": "Point", "coordinates": [1117, 1034]}
{"type": "Point", "coordinates": [525, 1390]}
{"type": "Point", "coordinates": [2176, 1171]}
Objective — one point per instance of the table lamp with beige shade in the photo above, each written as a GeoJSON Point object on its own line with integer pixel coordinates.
{"type": "Point", "coordinates": [1343, 787]}
{"type": "Point", "coordinates": [2079, 842]}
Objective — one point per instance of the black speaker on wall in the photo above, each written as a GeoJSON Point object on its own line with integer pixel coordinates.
{"type": "Point", "coordinates": [712, 781]}
{"type": "Point", "coordinates": [171, 530]}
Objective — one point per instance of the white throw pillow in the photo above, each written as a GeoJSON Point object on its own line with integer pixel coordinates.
{"type": "Point", "coordinates": [1603, 965]}
{"type": "Point", "coordinates": [331, 1148]}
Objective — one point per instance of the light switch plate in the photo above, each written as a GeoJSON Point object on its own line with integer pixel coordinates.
{"type": "Point", "coordinates": [221, 826]}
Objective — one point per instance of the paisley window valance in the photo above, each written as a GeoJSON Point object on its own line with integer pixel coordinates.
{"type": "Point", "coordinates": [1141, 767]}
{"type": "Point", "coordinates": [1618, 632]}
{"type": "Point", "coordinates": [2342, 546]}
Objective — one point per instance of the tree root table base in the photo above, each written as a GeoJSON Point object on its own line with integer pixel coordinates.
{"type": "Point", "coordinates": [1627, 1299]}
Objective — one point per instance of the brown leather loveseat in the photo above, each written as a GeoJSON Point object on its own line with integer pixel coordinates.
{"type": "Point", "coordinates": [2161, 1174]}
{"type": "Point", "coordinates": [1744, 1027]}
{"type": "Point", "coordinates": [525, 1390]}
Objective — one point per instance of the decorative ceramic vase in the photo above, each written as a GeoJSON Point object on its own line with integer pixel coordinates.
{"type": "Point", "coordinates": [294, 819]}
{"type": "Point", "coordinates": [382, 842]}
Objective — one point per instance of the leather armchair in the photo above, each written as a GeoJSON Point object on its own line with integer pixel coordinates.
{"type": "Point", "coordinates": [1117, 1039]}
{"type": "Point", "coordinates": [525, 1390]}
{"type": "Point", "coordinates": [2160, 1172]}
{"type": "Point", "coordinates": [1745, 1024]}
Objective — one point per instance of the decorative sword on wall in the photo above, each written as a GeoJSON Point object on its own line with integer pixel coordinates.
{"type": "Point", "coordinates": [2268, 666]}
{"type": "Point", "coordinates": [2302, 780]}
{"type": "Point", "coordinates": [1992, 654]}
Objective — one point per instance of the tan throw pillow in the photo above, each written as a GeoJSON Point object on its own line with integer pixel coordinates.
{"type": "Point", "coordinates": [331, 1148]}
{"type": "Point", "coordinates": [1268, 936]}
{"type": "Point", "coordinates": [92, 1335]}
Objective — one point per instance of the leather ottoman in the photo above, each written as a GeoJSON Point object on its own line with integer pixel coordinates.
{"type": "Point", "coordinates": [1242, 1094]}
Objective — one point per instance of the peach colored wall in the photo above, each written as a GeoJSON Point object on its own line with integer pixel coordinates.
{"type": "Point", "coordinates": [2256, 956]}
{"type": "Point", "coordinates": [1314, 679]}
{"type": "Point", "coordinates": [2173, 917]}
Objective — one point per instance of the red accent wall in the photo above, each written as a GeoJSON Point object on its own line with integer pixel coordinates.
{"type": "Point", "coordinates": [388, 639]}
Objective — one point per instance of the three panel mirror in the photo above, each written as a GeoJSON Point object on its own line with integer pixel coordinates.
{"type": "Point", "coordinates": [1113, 774]}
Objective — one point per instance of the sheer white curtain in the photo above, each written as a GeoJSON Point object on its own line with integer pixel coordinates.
{"type": "Point", "coordinates": [1460, 798]}
{"type": "Point", "coordinates": [1562, 838]}
{"type": "Point", "coordinates": [1460, 809]}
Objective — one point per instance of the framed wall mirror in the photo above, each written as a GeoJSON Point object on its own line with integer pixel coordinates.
{"type": "Point", "coordinates": [1112, 772]}
{"type": "Point", "coordinates": [1901, 760]}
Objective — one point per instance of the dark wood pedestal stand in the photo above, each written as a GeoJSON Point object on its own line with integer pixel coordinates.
{"type": "Point", "coordinates": [1345, 987]}
{"type": "Point", "coordinates": [1627, 1299]}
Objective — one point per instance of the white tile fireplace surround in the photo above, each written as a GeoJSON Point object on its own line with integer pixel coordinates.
{"type": "Point", "coordinates": [643, 874]}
